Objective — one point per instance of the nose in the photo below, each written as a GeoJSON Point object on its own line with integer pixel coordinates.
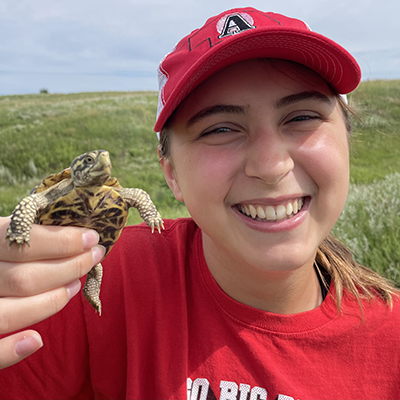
{"type": "Point", "coordinates": [269, 158]}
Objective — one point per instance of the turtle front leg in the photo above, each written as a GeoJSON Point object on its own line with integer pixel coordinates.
{"type": "Point", "coordinates": [91, 290]}
{"type": "Point", "coordinates": [22, 219]}
{"type": "Point", "coordinates": [139, 199]}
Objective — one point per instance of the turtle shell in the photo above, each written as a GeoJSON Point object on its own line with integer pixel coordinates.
{"type": "Point", "coordinates": [102, 209]}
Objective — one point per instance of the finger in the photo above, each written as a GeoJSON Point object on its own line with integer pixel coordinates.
{"type": "Point", "coordinates": [19, 312]}
{"type": "Point", "coordinates": [16, 347]}
{"type": "Point", "coordinates": [26, 279]}
{"type": "Point", "coordinates": [47, 242]}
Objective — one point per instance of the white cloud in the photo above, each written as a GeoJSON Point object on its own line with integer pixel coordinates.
{"type": "Point", "coordinates": [108, 45]}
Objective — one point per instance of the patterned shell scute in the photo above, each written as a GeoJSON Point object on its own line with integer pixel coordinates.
{"type": "Point", "coordinates": [51, 180]}
{"type": "Point", "coordinates": [103, 210]}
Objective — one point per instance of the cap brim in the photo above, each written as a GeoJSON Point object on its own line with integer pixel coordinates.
{"type": "Point", "coordinates": [331, 61]}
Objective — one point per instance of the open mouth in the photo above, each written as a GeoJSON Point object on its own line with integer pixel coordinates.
{"type": "Point", "coordinates": [278, 212]}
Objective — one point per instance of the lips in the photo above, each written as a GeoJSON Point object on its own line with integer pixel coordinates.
{"type": "Point", "coordinates": [273, 212]}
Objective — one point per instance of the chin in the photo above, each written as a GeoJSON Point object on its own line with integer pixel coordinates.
{"type": "Point", "coordinates": [285, 260]}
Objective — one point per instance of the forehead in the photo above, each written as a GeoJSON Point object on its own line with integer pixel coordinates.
{"type": "Point", "coordinates": [268, 78]}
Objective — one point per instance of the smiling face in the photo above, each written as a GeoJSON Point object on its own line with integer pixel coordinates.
{"type": "Point", "coordinates": [259, 155]}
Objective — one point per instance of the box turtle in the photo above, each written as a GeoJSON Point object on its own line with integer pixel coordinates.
{"type": "Point", "coordinates": [83, 195]}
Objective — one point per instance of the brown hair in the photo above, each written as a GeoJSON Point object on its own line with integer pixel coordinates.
{"type": "Point", "coordinates": [348, 276]}
{"type": "Point", "coordinates": [333, 259]}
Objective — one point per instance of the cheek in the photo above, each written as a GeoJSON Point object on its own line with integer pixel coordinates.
{"type": "Point", "coordinates": [327, 162]}
{"type": "Point", "coordinates": [327, 154]}
{"type": "Point", "coordinates": [205, 172]}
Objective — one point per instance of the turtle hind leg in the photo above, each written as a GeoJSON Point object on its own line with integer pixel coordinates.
{"type": "Point", "coordinates": [91, 290]}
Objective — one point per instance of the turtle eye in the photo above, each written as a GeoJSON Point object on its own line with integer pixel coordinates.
{"type": "Point", "coordinates": [89, 159]}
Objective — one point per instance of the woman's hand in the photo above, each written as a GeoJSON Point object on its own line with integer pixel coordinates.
{"type": "Point", "coordinates": [38, 281]}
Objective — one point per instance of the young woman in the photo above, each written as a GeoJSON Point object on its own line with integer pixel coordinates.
{"type": "Point", "coordinates": [248, 299]}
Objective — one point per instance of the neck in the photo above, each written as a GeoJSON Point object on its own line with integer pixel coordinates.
{"type": "Point", "coordinates": [279, 292]}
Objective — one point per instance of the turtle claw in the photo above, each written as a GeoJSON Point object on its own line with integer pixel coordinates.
{"type": "Point", "coordinates": [157, 223]}
{"type": "Point", "coordinates": [21, 245]}
{"type": "Point", "coordinates": [19, 239]}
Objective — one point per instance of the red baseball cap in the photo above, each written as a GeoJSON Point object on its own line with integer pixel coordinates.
{"type": "Point", "coordinates": [242, 34]}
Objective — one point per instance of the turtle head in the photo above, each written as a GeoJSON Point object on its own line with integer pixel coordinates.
{"type": "Point", "coordinates": [91, 169]}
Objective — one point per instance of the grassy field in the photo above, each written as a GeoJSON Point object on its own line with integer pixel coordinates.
{"type": "Point", "coordinates": [376, 136]}
{"type": "Point", "coordinates": [41, 134]}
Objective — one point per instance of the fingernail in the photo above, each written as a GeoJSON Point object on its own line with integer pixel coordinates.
{"type": "Point", "coordinates": [98, 253]}
{"type": "Point", "coordinates": [89, 238]}
{"type": "Point", "coordinates": [73, 288]}
{"type": "Point", "coordinates": [28, 345]}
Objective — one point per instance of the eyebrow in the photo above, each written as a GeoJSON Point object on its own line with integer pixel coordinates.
{"type": "Point", "coordinates": [303, 96]}
{"type": "Point", "coordinates": [217, 109]}
{"type": "Point", "coordinates": [234, 109]}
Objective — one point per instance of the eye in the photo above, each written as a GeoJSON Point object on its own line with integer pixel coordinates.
{"type": "Point", "coordinates": [89, 159]}
{"type": "Point", "coordinates": [225, 134]}
{"type": "Point", "coordinates": [303, 119]}
{"type": "Point", "coordinates": [216, 130]}
{"type": "Point", "coordinates": [300, 118]}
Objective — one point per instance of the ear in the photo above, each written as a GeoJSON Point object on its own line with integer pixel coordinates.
{"type": "Point", "coordinates": [169, 174]}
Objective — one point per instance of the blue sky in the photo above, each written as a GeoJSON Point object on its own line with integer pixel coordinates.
{"type": "Point", "coordinates": [103, 45]}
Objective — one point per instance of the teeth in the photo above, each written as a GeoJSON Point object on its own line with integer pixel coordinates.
{"type": "Point", "coordinates": [260, 212]}
{"type": "Point", "coordinates": [273, 213]}
{"type": "Point", "coordinates": [253, 211]}
{"type": "Point", "coordinates": [295, 207]}
{"type": "Point", "coordinates": [280, 212]}
{"type": "Point", "coordinates": [270, 212]}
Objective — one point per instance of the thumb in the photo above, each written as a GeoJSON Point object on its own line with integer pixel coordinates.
{"type": "Point", "coordinates": [16, 347]}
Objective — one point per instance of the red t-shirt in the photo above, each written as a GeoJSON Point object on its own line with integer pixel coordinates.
{"type": "Point", "coordinates": [168, 331]}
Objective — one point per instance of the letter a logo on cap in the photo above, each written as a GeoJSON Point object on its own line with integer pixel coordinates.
{"type": "Point", "coordinates": [234, 24]}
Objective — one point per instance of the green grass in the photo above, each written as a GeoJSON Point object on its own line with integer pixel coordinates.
{"type": "Point", "coordinates": [41, 134]}
{"type": "Point", "coordinates": [375, 150]}
{"type": "Point", "coordinates": [370, 225]}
